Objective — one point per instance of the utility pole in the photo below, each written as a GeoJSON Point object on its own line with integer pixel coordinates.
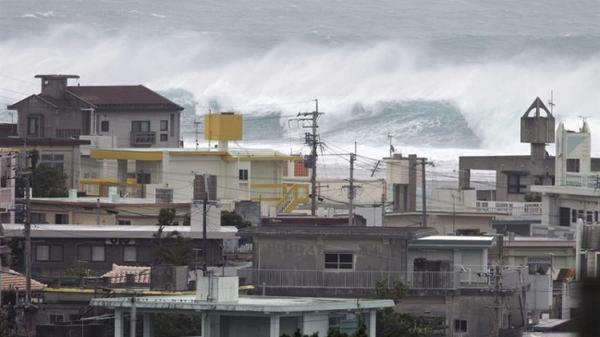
{"type": "Point", "coordinates": [27, 235]}
{"type": "Point", "coordinates": [351, 189]}
{"type": "Point", "coordinates": [312, 139]}
{"type": "Point", "coordinates": [498, 298]}
{"type": "Point", "coordinates": [133, 318]}
{"type": "Point", "coordinates": [98, 212]}
{"type": "Point", "coordinates": [204, 239]}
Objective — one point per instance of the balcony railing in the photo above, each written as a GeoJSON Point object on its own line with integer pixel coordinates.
{"type": "Point", "coordinates": [510, 208]}
{"type": "Point", "coordinates": [143, 138]}
{"type": "Point", "coordinates": [468, 278]}
{"type": "Point", "coordinates": [579, 180]}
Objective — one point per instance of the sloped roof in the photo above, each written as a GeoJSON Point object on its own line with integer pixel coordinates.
{"type": "Point", "coordinates": [118, 274]}
{"type": "Point", "coordinates": [12, 280]}
{"type": "Point", "coordinates": [121, 95]}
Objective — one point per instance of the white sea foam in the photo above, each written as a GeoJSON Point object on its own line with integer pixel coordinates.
{"type": "Point", "coordinates": [491, 93]}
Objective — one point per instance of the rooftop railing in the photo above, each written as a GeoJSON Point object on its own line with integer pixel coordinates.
{"type": "Point", "coordinates": [510, 208]}
{"type": "Point", "coordinates": [466, 278]}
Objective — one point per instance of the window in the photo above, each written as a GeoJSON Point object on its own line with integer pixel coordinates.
{"type": "Point", "coordinates": [140, 126]}
{"type": "Point", "coordinates": [104, 126]}
{"type": "Point", "coordinates": [129, 254]}
{"type": "Point", "coordinates": [124, 222]}
{"type": "Point", "coordinates": [460, 325]}
{"type": "Point", "coordinates": [61, 219]}
{"type": "Point", "coordinates": [565, 216]}
{"type": "Point", "coordinates": [34, 126]}
{"type": "Point", "coordinates": [37, 218]}
{"type": "Point", "coordinates": [515, 185]}
{"type": "Point", "coordinates": [573, 215]}
{"type": "Point", "coordinates": [339, 261]}
{"type": "Point", "coordinates": [243, 174]}
{"type": "Point", "coordinates": [300, 170]}
{"type": "Point", "coordinates": [164, 125]}
{"type": "Point", "coordinates": [164, 137]}
{"type": "Point", "coordinates": [87, 253]}
{"type": "Point", "coordinates": [143, 178]}
{"type": "Point", "coordinates": [56, 318]}
{"type": "Point", "coordinates": [589, 217]}
{"type": "Point", "coordinates": [573, 165]}
{"type": "Point", "coordinates": [49, 253]}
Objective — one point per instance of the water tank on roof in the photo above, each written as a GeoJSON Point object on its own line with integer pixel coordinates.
{"type": "Point", "coordinates": [537, 124]}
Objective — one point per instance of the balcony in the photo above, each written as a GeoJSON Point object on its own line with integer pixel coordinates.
{"type": "Point", "coordinates": [143, 139]}
{"type": "Point", "coordinates": [470, 277]}
{"type": "Point", "coordinates": [510, 208]}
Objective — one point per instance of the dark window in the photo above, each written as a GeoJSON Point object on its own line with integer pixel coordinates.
{"type": "Point", "coordinates": [143, 178]}
{"type": "Point", "coordinates": [104, 126]}
{"type": "Point", "coordinates": [88, 253]}
{"type": "Point", "coordinates": [144, 254]}
{"type": "Point", "coordinates": [129, 254]}
{"type": "Point", "coordinates": [164, 137]}
{"type": "Point", "coordinates": [515, 185]}
{"type": "Point", "coordinates": [565, 216]}
{"type": "Point", "coordinates": [61, 219]}
{"type": "Point", "coordinates": [573, 215]}
{"type": "Point", "coordinates": [124, 222]}
{"type": "Point", "coordinates": [595, 216]}
{"type": "Point", "coordinates": [37, 218]}
{"type": "Point", "coordinates": [49, 253]}
{"type": "Point", "coordinates": [243, 174]}
{"type": "Point", "coordinates": [34, 126]}
{"type": "Point", "coordinates": [56, 318]}
{"type": "Point", "coordinates": [580, 214]}
{"type": "Point", "coordinates": [164, 125]}
{"type": "Point", "coordinates": [589, 217]}
{"type": "Point", "coordinates": [339, 261]}
{"type": "Point", "coordinates": [572, 165]}
{"type": "Point", "coordinates": [460, 325]}
{"type": "Point", "coordinates": [140, 126]}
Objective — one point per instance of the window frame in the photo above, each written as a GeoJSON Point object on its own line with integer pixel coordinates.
{"type": "Point", "coordinates": [140, 124]}
{"type": "Point", "coordinates": [338, 264]}
{"type": "Point", "coordinates": [243, 174]}
{"type": "Point", "coordinates": [164, 125]}
{"type": "Point", "coordinates": [515, 187]}
{"type": "Point", "coordinates": [90, 253]}
{"type": "Point", "coordinates": [164, 137]}
{"type": "Point", "coordinates": [460, 327]}
{"type": "Point", "coordinates": [573, 165]}
{"type": "Point", "coordinates": [135, 259]}
{"type": "Point", "coordinates": [104, 123]}
{"type": "Point", "coordinates": [122, 222]}
{"type": "Point", "coordinates": [51, 248]}
{"type": "Point", "coordinates": [64, 216]}
{"type": "Point", "coordinates": [37, 124]}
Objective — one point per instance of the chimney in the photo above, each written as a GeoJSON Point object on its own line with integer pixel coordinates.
{"type": "Point", "coordinates": [54, 85]}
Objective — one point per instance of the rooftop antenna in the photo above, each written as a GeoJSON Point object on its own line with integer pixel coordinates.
{"type": "Point", "coordinates": [392, 149]}
{"type": "Point", "coordinates": [551, 102]}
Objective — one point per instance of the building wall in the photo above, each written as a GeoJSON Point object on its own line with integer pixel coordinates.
{"type": "Point", "coordinates": [71, 161]}
{"type": "Point", "coordinates": [443, 223]}
{"type": "Point", "coordinates": [113, 254]}
{"type": "Point", "coordinates": [68, 118]}
{"type": "Point", "coordinates": [308, 253]}
{"type": "Point", "coordinates": [562, 257]}
{"type": "Point", "coordinates": [120, 126]}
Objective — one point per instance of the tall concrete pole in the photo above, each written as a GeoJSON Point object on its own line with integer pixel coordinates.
{"type": "Point", "coordinates": [313, 175]}
{"type": "Point", "coordinates": [424, 192]}
{"type": "Point", "coordinates": [351, 189]}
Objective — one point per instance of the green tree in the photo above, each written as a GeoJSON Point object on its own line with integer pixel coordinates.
{"type": "Point", "coordinates": [46, 181]}
{"type": "Point", "coordinates": [171, 248]}
{"type": "Point", "coordinates": [394, 324]}
{"type": "Point", "coordinates": [233, 219]}
{"type": "Point", "coordinates": [176, 325]}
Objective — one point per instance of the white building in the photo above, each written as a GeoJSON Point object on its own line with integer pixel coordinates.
{"type": "Point", "coordinates": [226, 314]}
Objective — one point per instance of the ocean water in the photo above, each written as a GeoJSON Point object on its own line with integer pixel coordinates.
{"type": "Point", "coordinates": [442, 77]}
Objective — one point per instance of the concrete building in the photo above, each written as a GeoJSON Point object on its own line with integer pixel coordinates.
{"type": "Point", "coordinates": [103, 211]}
{"type": "Point", "coordinates": [226, 314]}
{"type": "Point", "coordinates": [8, 171]}
{"type": "Point", "coordinates": [446, 222]}
{"type": "Point", "coordinates": [539, 253]}
{"type": "Point", "coordinates": [59, 248]}
{"type": "Point", "coordinates": [120, 115]}
{"type": "Point", "coordinates": [515, 175]}
{"type": "Point", "coordinates": [62, 154]}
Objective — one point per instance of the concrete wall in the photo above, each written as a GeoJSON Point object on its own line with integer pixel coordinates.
{"type": "Point", "coordinates": [308, 253]}
{"type": "Point", "coordinates": [442, 222]}
{"type": "Point", "coordinates": [120, 126]}
{"type": "Point", "coordinates": [69, 117]}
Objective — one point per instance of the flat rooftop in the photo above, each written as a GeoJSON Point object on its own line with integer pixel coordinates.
{"type": "Point", "coordinates": [262, 304]}
{"type": "Point", "coordinates": [87, 201]}
{"type": "Point", "coordinates": [337, 231]}
{"type": "Point", "coordinates": [115, 231]}
{"type": "Point", "coordinates": [157, 154]}
{"type": "Point", "coordinates": [448, 241]}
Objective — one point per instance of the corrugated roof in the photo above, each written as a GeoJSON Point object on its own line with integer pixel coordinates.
{"type": "Point", "coordinates": [12, 280]}
{"type": "Point", "coordinates": [118, 274]}
{"type": "Point", "coordinates": [121, 95]}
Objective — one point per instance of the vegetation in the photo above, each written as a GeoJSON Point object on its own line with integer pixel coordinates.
{"type": "Point", "coordinates": [394, 324]}
{"type": "Point", "coordinates": [171, 248]}
{"type": "Point", "coordinates": [45, 180]}
{"type": "Point", "coordinates": [233, 219]}
{"type": "Point", "coordinates": [176, 325]}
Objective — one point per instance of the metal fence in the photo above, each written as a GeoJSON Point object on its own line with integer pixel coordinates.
{"type": "Point", "coordinates": [442, 280]}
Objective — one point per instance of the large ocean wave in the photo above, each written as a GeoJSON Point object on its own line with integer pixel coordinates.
{"type": "Point", "coordinates": [366, 89]}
